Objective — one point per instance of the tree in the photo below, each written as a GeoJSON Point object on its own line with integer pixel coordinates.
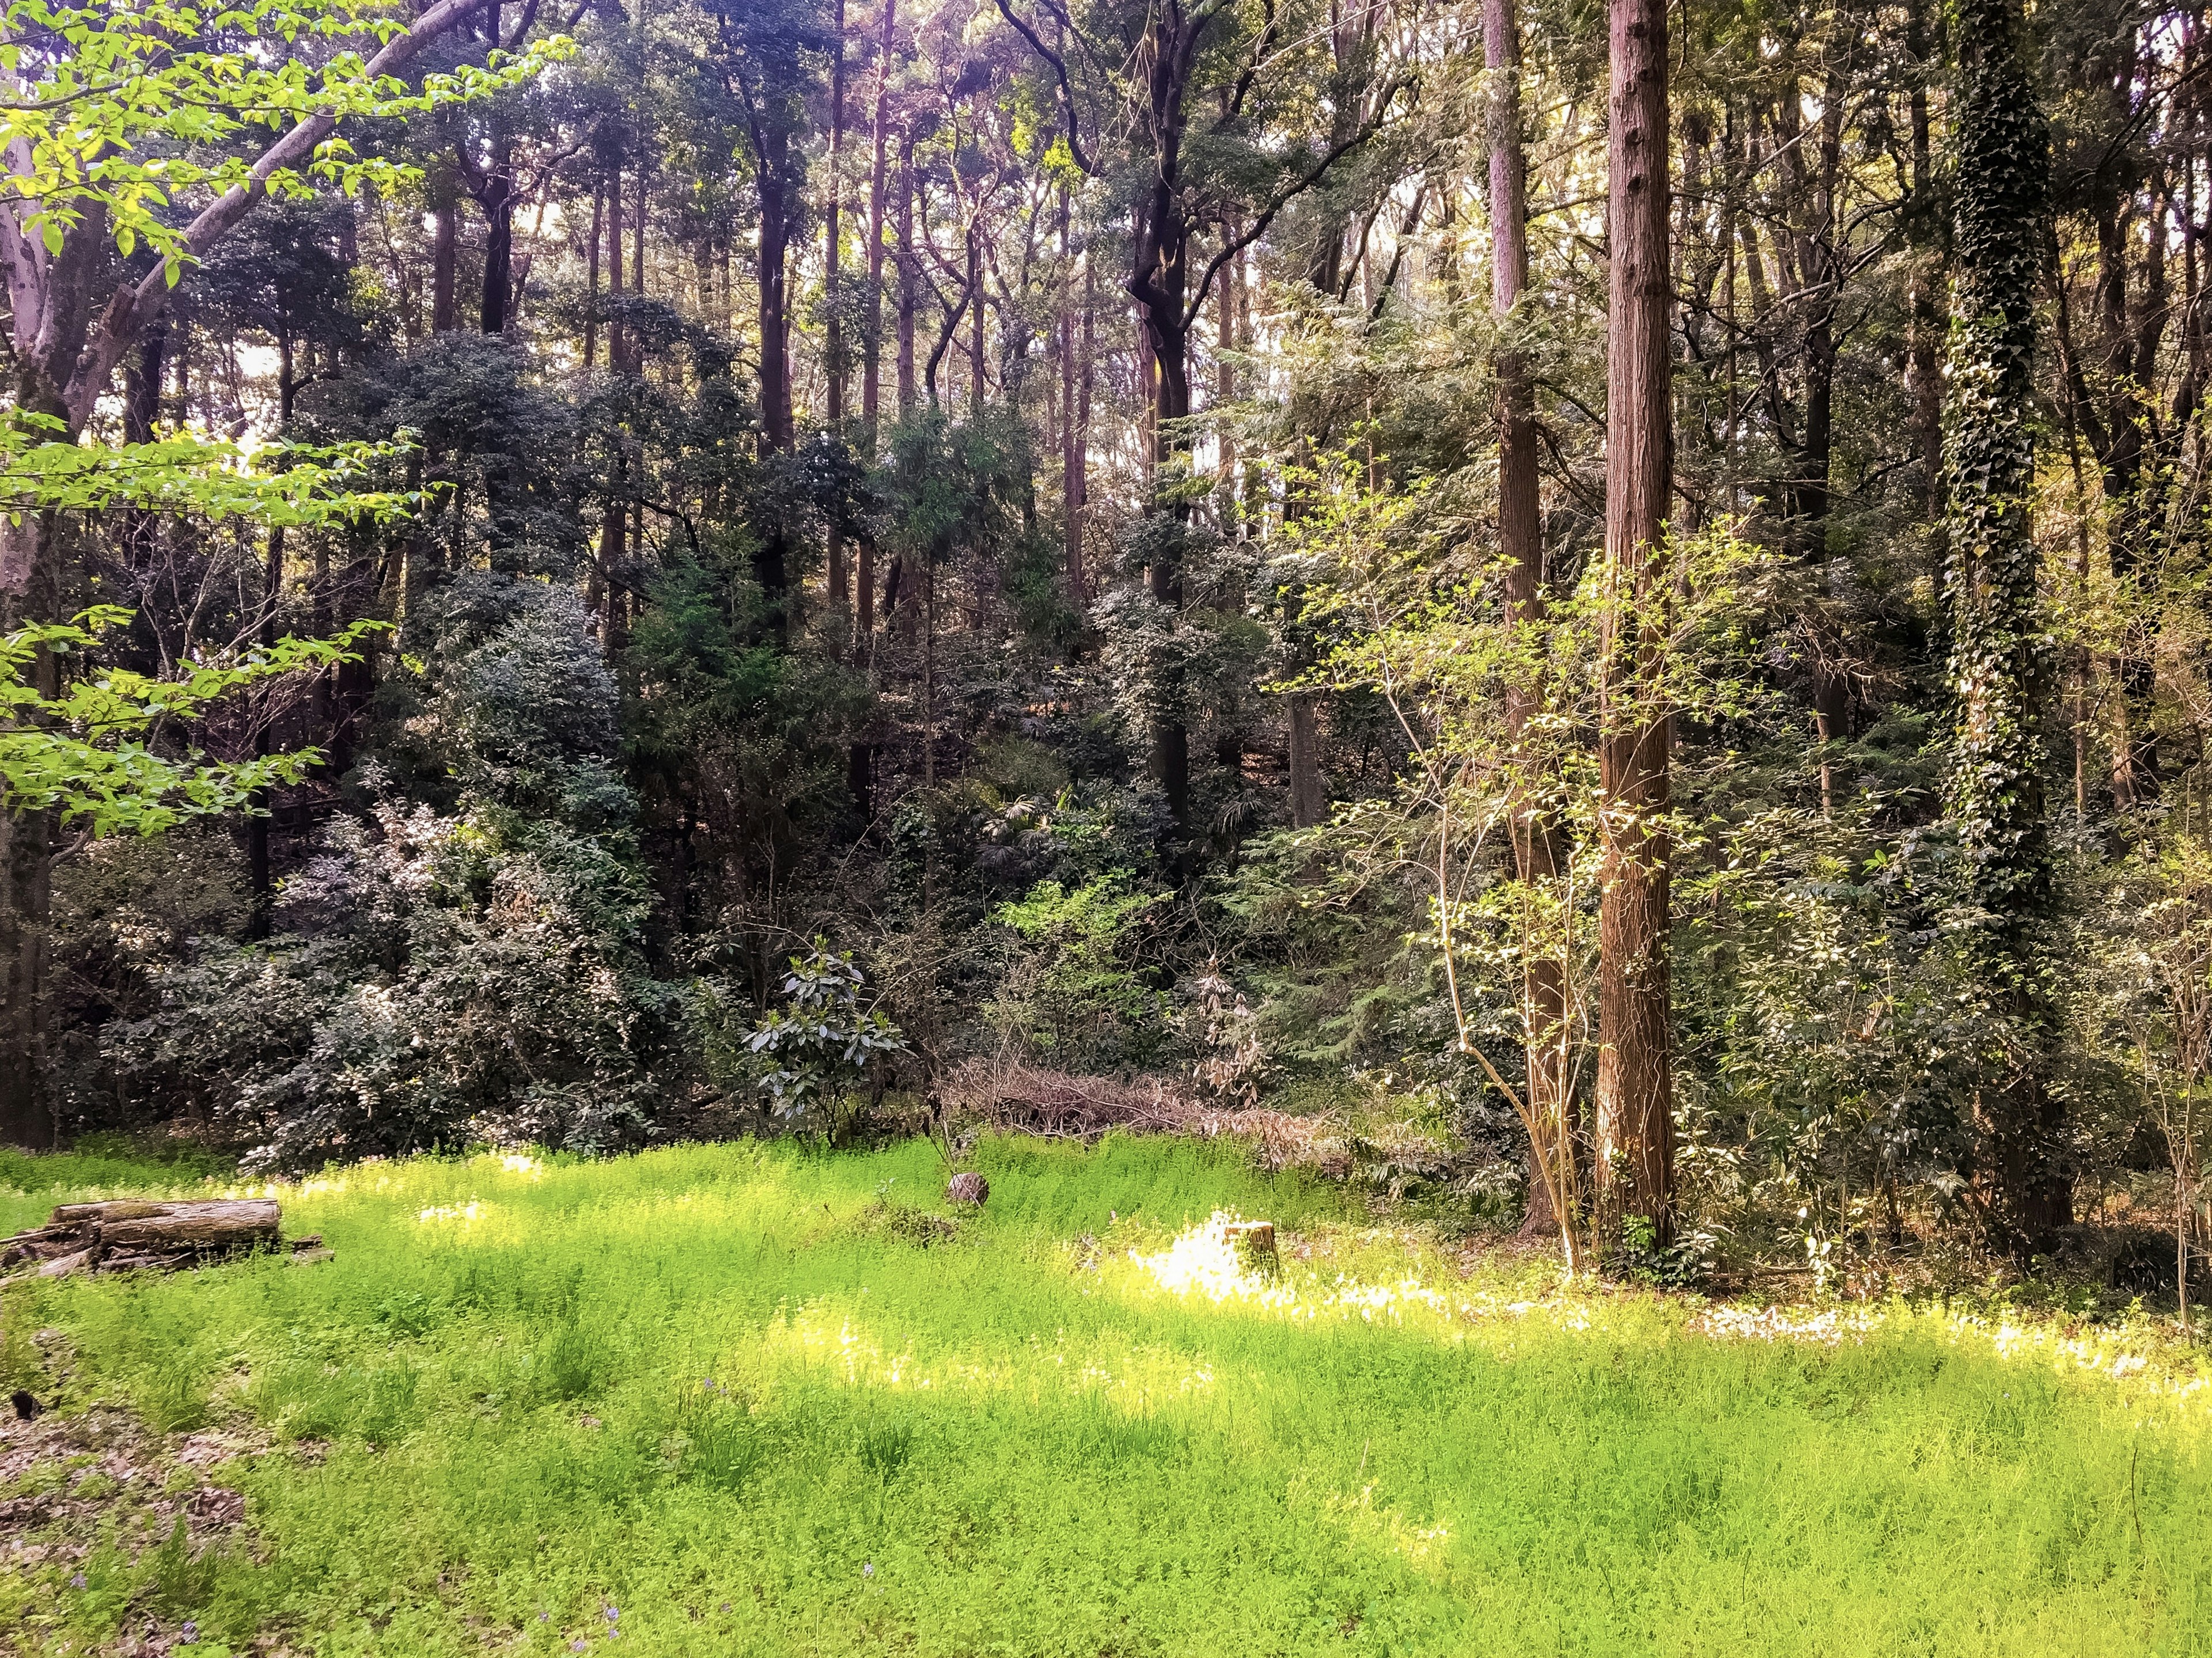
{"type": "Point", "coordinates": [1635, 1083]}
{"type": "Point", "coordinates": [1999, 657]}
{"type": "Point", "coordinates": [766, 53]}
{"type": "Point", "coordinates": [116, 113]}
{"type": "Point", "coordinates": [1536, 849]}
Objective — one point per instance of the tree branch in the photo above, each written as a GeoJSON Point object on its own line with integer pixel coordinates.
{"type": "Point", "coordinates": [1066, 94]}
{"type": "Point", "coordinates": [1283, 198]}
{"type": "Point", "coordinates": [135, 305]}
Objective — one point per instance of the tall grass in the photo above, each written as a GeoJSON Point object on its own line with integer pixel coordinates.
{"type": "Point", "coordinates": [721, 1401]}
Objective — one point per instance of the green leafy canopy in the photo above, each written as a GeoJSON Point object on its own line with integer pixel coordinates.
{"type": "Point", "coordinates": [116, 110]}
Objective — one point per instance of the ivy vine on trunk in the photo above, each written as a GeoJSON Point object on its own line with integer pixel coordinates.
{"type": "Point", "coordinates": [2000, 656]}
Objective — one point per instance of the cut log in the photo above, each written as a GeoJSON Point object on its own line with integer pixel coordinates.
{"type": "Point", "coordinates": [137, 1233]}
{"type": "Point", "coordinates": [236, 1224]}
{"type": "Point", "coordinates": [1256, 1240]}
{"type": "Point", "coordinates": [149, 1263]}
{"type": "Point", "coordinates": [80, 1214]}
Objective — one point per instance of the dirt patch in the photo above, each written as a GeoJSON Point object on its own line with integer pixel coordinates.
{"type": "Point", "coordinates": [73, 1484]}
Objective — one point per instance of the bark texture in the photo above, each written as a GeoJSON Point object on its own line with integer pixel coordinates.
{"type": "Point", "coordinates": [1635, 1168]}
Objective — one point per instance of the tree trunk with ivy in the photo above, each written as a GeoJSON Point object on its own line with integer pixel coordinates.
{"type": "Point", "coordinates": [2000, 664]}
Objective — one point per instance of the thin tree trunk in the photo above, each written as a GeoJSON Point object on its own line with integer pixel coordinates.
{"type": "Point", "coordinates": [861, 757]}
{"type": "Point", "coordinates": [617, 347]}
{"type": "Point", "coordinates": [871, 374]}
{"type": "Point", "coordinates": [444, 254]}
{"type": "Point", "coordinates": [976, 381]}
{"type": "Point", "coordinates": [1923, 373]}
{"type": "Point", "coordinates": [1635, 1166]}
{"type": "Point", "coordinates": [497, 200]}
{"type": "Point", "coordinates": [833, 348]}
{"type": "Point", "coordinates": [1086, 383]}
{"type": "Point", "coordinates": [637, 249]}
{"type": "Point", "coordinates": [1309, 792]}
{"type": "Point", "coordinates": [1224, 372]}
{"type": "Point", "coordinates": [1521, 547]}
{"type": "Point", "coordinates": [592, 273]}
{"type": "Point", "coordinates": [260, 877]}
{"type": "Point", "coordinates": [906, 276]}
{"type": "Point", "coordinates": [1075, 397]}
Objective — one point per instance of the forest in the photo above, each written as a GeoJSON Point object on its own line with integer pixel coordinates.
{"type": "Point", "coordinates": [1593, 617]}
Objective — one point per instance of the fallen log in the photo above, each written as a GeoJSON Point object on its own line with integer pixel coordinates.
{"type": "Point", "coordinates": [142, 1234]}
{"type": "Point", "coordinates": [79, 1214]}
{"type": "Point", "coordinates": [238, 1223]}
{"type": "Point", "coordinates": [62, 1265]}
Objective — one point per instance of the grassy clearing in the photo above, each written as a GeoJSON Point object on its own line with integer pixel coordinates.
{"type": "Point", "coordinates": [724, 1399]}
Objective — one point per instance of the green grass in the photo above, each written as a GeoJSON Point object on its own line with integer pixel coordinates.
{"type": "Point", "coordinates": [720, 1390]}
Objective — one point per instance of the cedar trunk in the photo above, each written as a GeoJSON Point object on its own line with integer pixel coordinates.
{"type": "Point", "coordinates": [1635, 1166]}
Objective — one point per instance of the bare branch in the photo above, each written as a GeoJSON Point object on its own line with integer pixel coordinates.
{"type": "Point", "coordinates": [1067, 93]}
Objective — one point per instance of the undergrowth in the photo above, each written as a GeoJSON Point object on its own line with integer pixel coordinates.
{"type": "Point", "coordinates": [747, 1398]}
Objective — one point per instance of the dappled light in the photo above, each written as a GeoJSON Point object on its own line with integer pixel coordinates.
{"type": "Point", "coordinates": [729, 1376]}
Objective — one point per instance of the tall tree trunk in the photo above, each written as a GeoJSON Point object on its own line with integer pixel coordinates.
{"type": "Point", "coordinates": [871, 362]}
{"type": "Point", "coordinates": [907, 282]}
{"type": "Point", "coordinates": [1075, 461]}
{"type": "Point", "coordinates": [497, 200]}
{"type": "Point", "coordinates": [775, 368]}
{"type": "Point", "coordinates": [637, 254]}
{"type": "Point", "coordinates": [833, 346]}
{"type": "Point", "coordinates": [1521, 547]}
{"type": "Point", "coordinates": [444, 251]}
{"type": "Point", "coordinates": [1224, 378]}
{"type": "Point", "coordinates": [592, 272]}
{"type": "Point", "coordinates": [976, 380]}
{"type": "Point", "coordinates": [771, 555]}
{"type": "Point", "coordinates": [1998, 656]}
{"type": "Point", "coordinates": [1075, 404]}
{"type": "Point", "coordinates": [1924, 373]}
{"type": "Point", "coordinates": [1163, 330]}
{"type": "Point", "coordinates": [1635, 1083]}
{"type": "Point", "coordinates": [260, 874]}
{"type": "Point", "coordinates": [616, 351]}
{"type": "Point", "coordinates": [861, 757]}
{"type": "Point", "coordinates": [1309, 792]}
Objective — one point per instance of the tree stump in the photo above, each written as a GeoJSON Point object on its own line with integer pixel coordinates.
{"type": "Point", "coordinates": [1254, 1242]}
{"type": "Point", "coordinates": [970, 1188]}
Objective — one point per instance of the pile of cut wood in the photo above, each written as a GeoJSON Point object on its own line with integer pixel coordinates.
{"type": "Point", "coordinates": [135, 1234]}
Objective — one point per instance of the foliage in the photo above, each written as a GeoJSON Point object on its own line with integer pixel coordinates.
{"type": "Point", "coordinates": [1076, 993]}
{"type": "Point", "coordinates": [111, 129]}
{"type": "Point", "coordinates": [295, 484]}
{"type": "Point", "coordinates": [476, 973]}
{"type": "Point", "coordinates": [822, 1043]}
{"type": "Point", "coordinates": [91, 751]}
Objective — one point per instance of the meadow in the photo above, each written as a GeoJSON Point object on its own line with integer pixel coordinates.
{"type": "Point", "coordinates": [746, 1398]}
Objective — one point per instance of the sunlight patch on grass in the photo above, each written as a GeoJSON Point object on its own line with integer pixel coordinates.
{"type": "Point", "coordinates": [768, 1401]}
